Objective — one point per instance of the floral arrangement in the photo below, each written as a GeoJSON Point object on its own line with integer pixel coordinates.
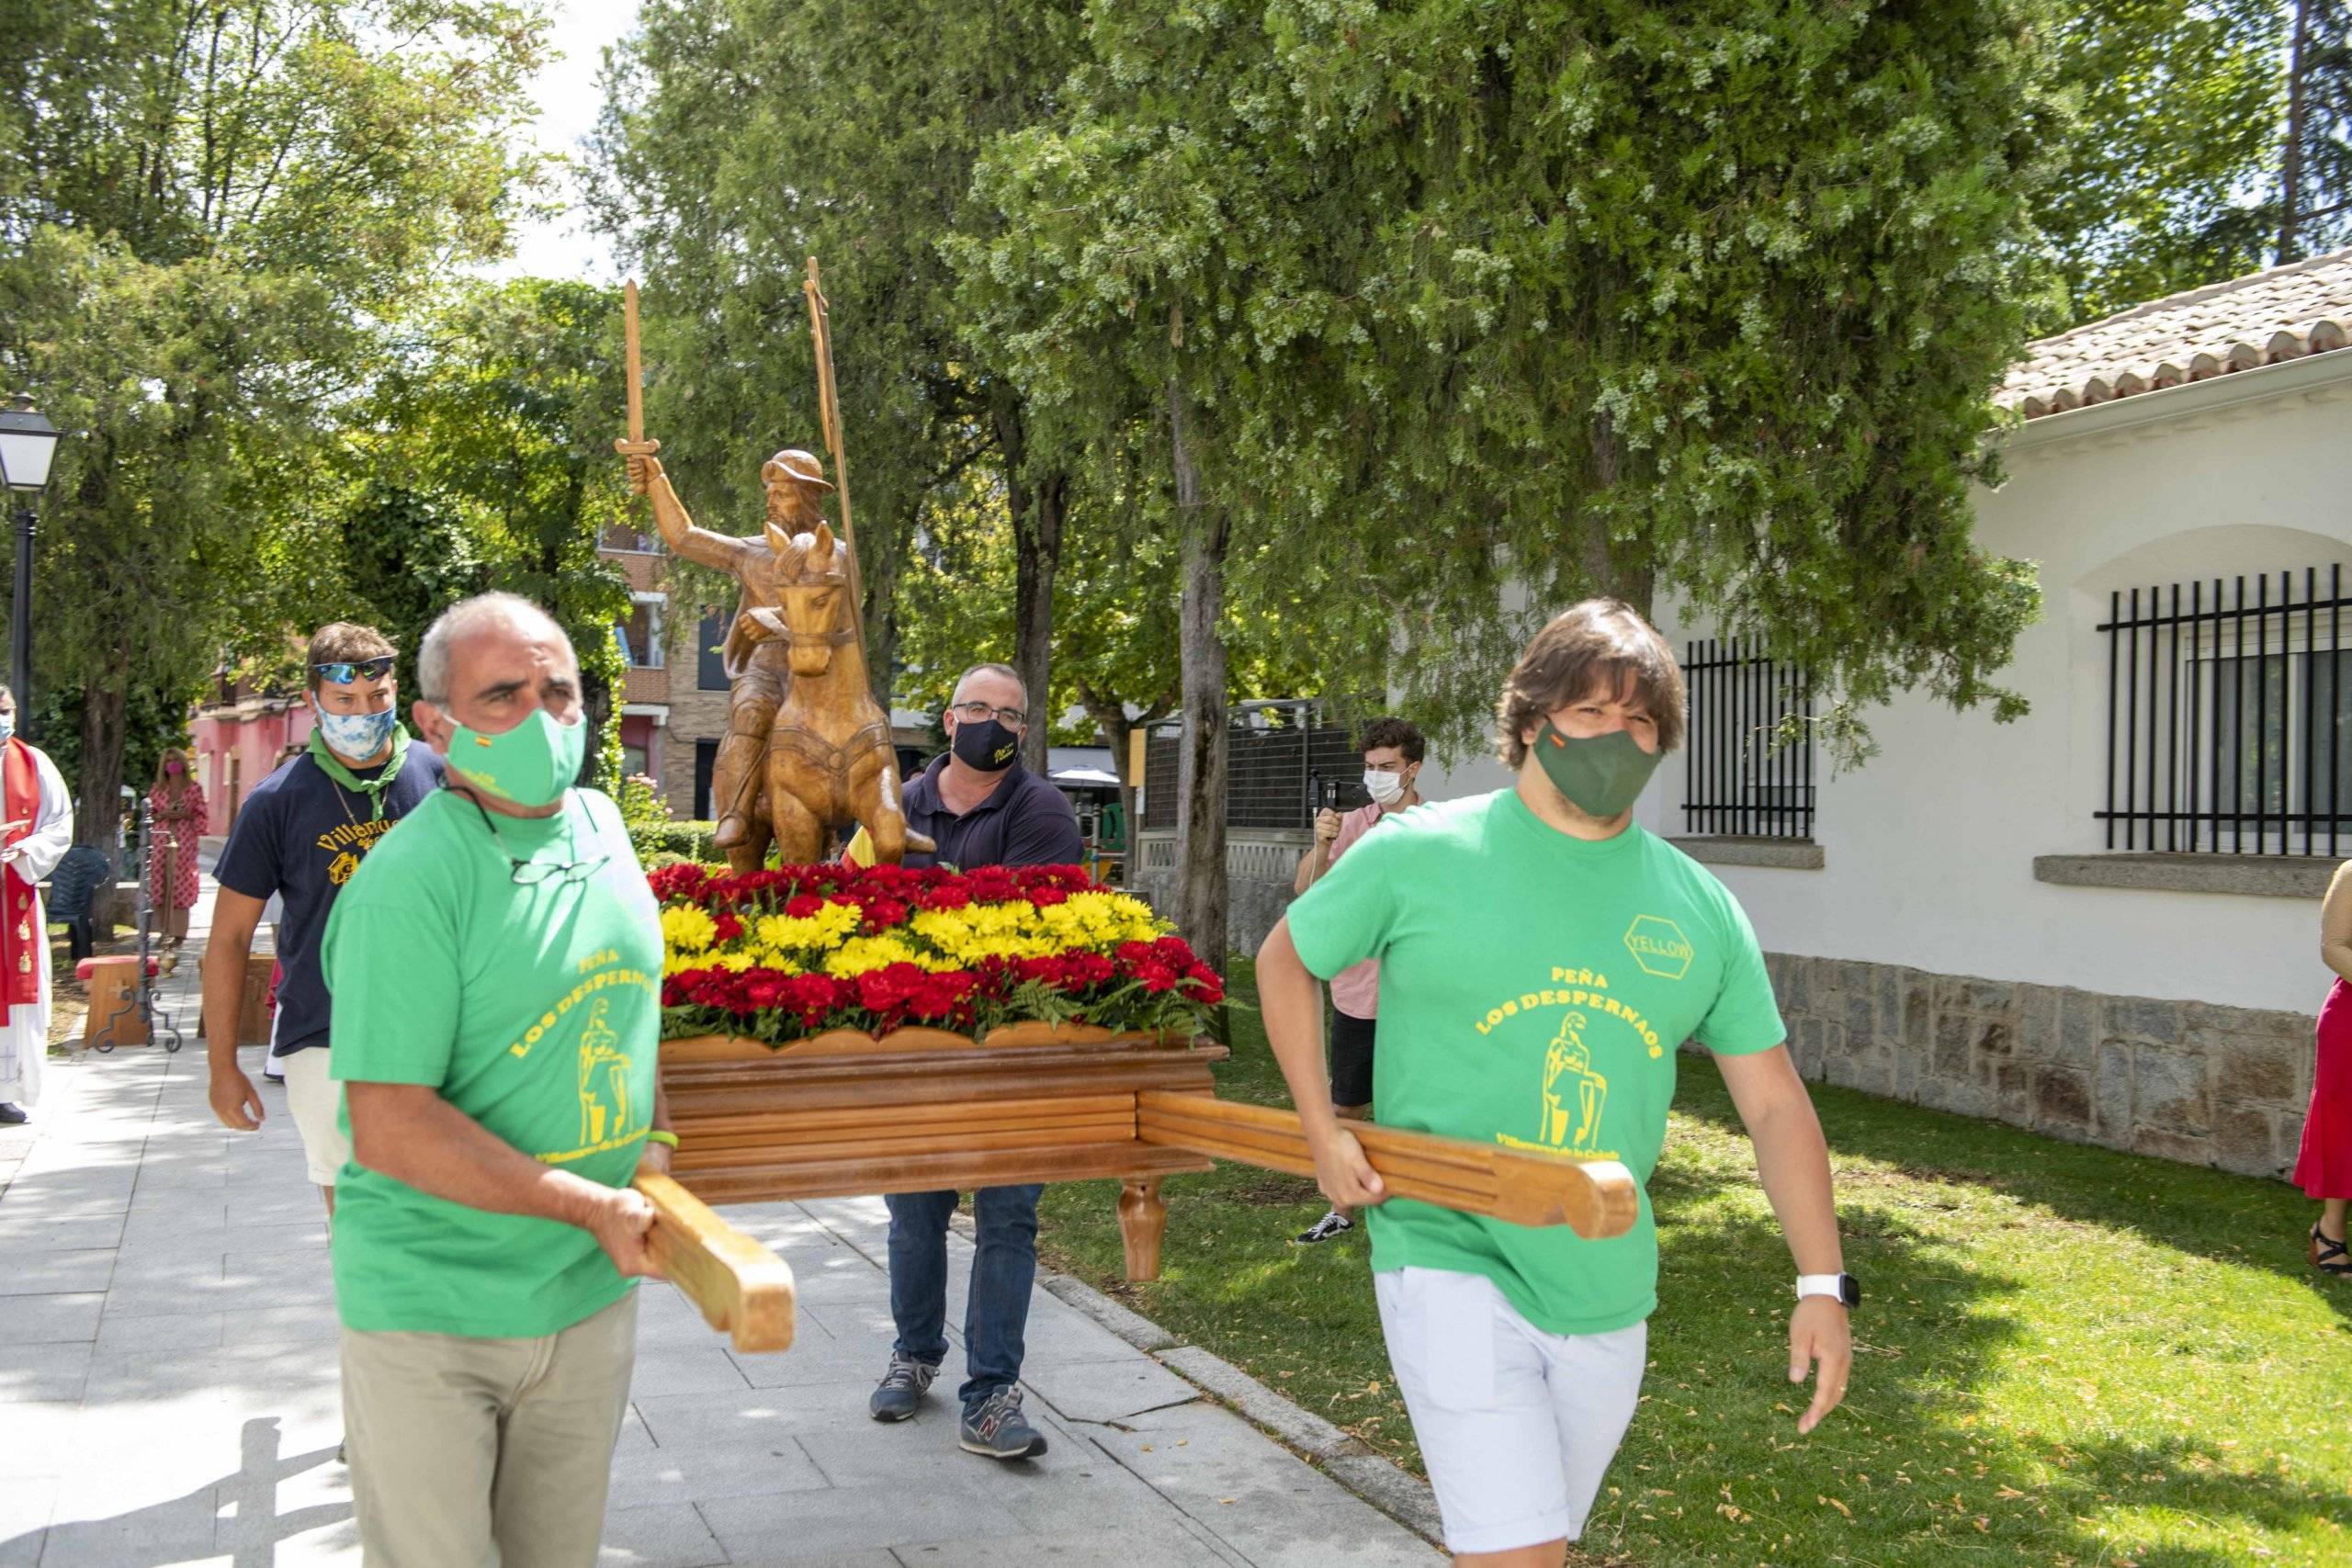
{"type": "Point", "coordinates": [780, 955]}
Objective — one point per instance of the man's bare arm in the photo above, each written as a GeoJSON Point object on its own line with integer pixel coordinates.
{"type": "Point", "coordinates": [678, 531]}
{"type": "Point", "coordinates": [1792, 1161]}
{"type": "Point", "coordinates": [1291, 1002]}
{"type": "Point", "coordinates": [409, 1132]}
{"type": "Point", "coordinates": [234, 918]}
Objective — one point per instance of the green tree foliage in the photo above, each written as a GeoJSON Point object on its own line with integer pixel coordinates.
{"type": "Point", "coordinates": [490, 465]}
{"type": "Point", "coordinates": [742, 137]}
{"type": "Point", "coordinates": [2208, 138]}
{"type": "Point", "coordinates": [1441, 298]}
{"type": "Point", "coordinates": [2315, 163]}
{"type": "Point", "coordinates": [207, 208]}
{"type": "Point", "coordinates": [2177, 106]}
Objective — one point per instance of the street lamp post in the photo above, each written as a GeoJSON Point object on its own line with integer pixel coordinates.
{"type": "Point", "coordinates": [27, 443]}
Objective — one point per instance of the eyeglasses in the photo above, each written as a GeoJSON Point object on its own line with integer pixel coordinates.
{"type": "Point", "coordinates": [978, 711]}
{"type": "Point", "coordinates": [537, 872]}
{"type": "Point", "coordinates": [532, 874]}
{"type": "Point", "coordinates": [344, 675]}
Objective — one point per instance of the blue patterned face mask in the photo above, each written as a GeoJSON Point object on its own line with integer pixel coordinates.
{"type": "Point", "coordinates": [7, 727]}
{"type": "Point", "coordinates": [357, 736]}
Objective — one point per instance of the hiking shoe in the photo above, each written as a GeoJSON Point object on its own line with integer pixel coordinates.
{"type": "Point", "coordinates": [1330, 1224]}
{"type": "Point", "coordinates": [996, 1428]}
{"type": "Point", "coordinates": [901, 1388]}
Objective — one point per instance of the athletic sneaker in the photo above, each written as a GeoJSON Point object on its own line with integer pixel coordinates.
{"type": "Point", "coordinates": [901, 1388]}
{"type": "Point", "coordinates": [996, 1428]}
{"type": "Point", "coordinates": [1330, 1224]}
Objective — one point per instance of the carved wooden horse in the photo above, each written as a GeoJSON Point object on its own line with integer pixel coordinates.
{"type": "Point", "coordinates": [829, 759]}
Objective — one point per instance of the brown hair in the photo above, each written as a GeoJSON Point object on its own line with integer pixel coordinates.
{"type": "Point", "coordinates": [1598, 645]}
{"type": "Point", "coordinates": [1401, 733]}
{"type": "Point", "coordinates": [342, 642]}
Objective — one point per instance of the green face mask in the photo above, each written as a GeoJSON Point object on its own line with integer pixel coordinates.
{"type": "Point", "coordinates": [1602, 777]}
{"type": "Point", "coordinates": [531, 764]}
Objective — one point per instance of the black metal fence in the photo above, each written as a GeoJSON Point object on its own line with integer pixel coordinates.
{"type": "Point", "coordinates": [2229, 716]}
{"type": "Point", "coordinates": [1739, 779]}
{"type": "Point", "coordinates": [1272, 776]}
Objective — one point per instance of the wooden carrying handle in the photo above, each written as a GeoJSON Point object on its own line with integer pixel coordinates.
{"type": "Point", "coordinates": [1596, 1199]}
{"type": "Point", "coordinates": [741, 1286]}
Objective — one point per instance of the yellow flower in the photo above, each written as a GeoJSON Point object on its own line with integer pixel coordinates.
{"type": "Point", "coordinates": [687, 928]}
{"type": "Point", "coordinates": [827, 927]}
{"type": "Point", "coordinates": [862, 953]}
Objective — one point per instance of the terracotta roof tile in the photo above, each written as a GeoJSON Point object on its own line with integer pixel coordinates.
{"type": "Point", "coordinates": [2284, 313]}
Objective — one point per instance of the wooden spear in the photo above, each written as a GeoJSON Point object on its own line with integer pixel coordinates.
{"type": "Point", "coordinates": [829, 409]}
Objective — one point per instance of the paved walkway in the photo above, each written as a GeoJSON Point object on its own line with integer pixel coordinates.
{"type": "Point", "coordinates": [168, 1393]}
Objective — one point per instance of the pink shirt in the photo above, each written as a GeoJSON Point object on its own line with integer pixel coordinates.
{"type": "Point", "coordinates": [1356, 990]}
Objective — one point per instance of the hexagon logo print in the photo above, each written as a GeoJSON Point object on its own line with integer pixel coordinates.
{"type": "Point", "coordinates": [1658, 945]}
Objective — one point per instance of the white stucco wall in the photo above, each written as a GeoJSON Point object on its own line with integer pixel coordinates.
{"type": "Point", "coordinates": [1930, 847]}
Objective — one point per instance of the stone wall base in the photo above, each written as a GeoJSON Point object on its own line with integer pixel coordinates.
{"type": "Point", "coordinates": [2188, 1081]}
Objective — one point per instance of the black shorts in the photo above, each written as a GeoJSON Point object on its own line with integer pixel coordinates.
{"type": "Point", "coordinates": [1351, 1059]}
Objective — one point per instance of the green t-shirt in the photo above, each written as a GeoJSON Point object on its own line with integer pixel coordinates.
{"type": "Point", "coordinates": [1533, 989]}
{"type": "Point", "coordinates": [536, 1011]}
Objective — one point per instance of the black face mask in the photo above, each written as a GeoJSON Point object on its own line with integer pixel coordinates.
{"type": "Point", "coordinates": [988, 747]}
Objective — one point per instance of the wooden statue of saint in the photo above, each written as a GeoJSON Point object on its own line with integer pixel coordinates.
{"type": "Point", "coordinates": [808, 749]}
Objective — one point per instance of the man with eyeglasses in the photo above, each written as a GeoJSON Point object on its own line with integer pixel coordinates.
{"type": "Point", "coordinates": [298, 839]}
{"type": "Point", "coordinates": [981, 807]}
{"type": "Point", "coordinates": [496, 969]}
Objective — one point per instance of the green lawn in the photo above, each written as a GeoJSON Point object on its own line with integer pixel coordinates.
{"type": "Point", "coordinates": [2068, 1355]}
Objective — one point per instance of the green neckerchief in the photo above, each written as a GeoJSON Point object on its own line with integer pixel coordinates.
{"type": "Point", "coordinates": [372, 788]}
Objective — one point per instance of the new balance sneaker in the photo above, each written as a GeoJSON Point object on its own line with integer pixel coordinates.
{"type": "Point", "coordinates": [1330, 1224]}
{"type": "Point", "coordinates": [996, 1428]}
{"type": "Point", "coordinates": [901, 1388]}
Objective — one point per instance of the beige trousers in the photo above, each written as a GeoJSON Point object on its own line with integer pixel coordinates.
{"type": "Point", "coordinates": [486, 1453]}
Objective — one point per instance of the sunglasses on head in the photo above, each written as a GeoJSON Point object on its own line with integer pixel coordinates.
{"type": "Point", "coordinates": [365, 670]}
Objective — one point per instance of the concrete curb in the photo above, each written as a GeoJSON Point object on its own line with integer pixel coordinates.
{"type": "Point", "coordinates": [1300, 1428]}
{"type": "Point", "coordinates": [1396, 1493]}
{"type": "Point", "coordinates": [1132, 1327]}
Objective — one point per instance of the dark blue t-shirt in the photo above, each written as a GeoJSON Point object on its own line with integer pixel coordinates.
{"type": "Point", "coordinates": [302, 835]}
{"type": "Point", "coordinates": [1025, 821]}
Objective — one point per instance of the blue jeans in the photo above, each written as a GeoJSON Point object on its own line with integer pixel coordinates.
{"type": "Point", "coordinates": [1004, 1265]}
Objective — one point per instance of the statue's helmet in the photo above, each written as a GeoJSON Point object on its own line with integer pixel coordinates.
{"type": "Point", "coordinates": [795, 466]}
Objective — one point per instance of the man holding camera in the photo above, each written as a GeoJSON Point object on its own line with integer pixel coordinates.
{"type": "Point", "coordinates": [1393, 749]}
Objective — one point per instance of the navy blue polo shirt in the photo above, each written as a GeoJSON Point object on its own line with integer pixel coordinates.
{"type": "Point", "coordinates": [1025, 821]}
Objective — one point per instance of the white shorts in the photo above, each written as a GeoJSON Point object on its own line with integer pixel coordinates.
{"type": "Point", "coordinates": [315, 1099]}
{"type": "Point", "coordinates": [1517, 1426]}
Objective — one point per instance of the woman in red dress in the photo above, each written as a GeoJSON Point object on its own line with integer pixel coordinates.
{"type": "Point", "coordinates": [179, 812]}
{"type": "Point", "coordinates": [2324, 1167]}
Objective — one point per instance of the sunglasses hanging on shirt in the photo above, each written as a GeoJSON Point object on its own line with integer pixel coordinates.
{"type": "Point", "coordinates": [533, 873]}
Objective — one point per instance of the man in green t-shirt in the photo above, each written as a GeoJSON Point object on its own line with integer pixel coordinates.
{"type": "Point", "coordinates": [1540, 960]}
{"type": "Point", "coordinates": [496, 972]}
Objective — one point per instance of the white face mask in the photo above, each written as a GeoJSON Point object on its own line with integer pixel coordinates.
{"type": "Point", "coordinates": [1385, 789]}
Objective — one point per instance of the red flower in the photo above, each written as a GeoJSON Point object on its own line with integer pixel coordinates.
{"type": "Point", "coordinates": [730, 928]}
{"type": "Point", "coordinates": [804, 905]}
{"type": "Point", "coordinates": [671, 884]}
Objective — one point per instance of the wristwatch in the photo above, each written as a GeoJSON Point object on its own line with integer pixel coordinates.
{"type": "Point", "coordinates": [1844, 1287]}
